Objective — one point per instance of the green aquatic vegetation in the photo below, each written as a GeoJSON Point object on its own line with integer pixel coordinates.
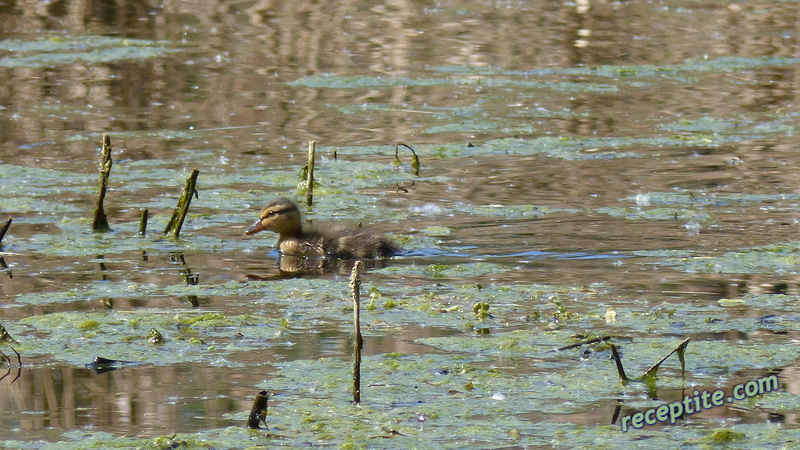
{"type": "Point", "coordinates": [10, 204]}
{"type": "Point", "coordinates": [436, 231]}
{"type": "Point", "coordinates": [705, 124]}
{"type": "Point", "coordinates": [407, 430]}
{"type": "Point", "coordinates": [480, 126]}
{"type": "Point", "coordinates": [725, 357]}
{"type": "Point", "coordinates": [76, 49]}
{"type": "Point", "coordinates": [639, 354]}
{"type": "Point", "coordinates": [155, 135]}
{"type": "Point", "coordinates": [578, 148]}
{"type": "Point", "coordinates": [371, 82]}
{"type": "Point", "coordinates": [77, 241]}
{"type": "Point", "coordinates": [445, 270]}
{"type": "Point", "coordinates": [776, 258]}
{"type": "Point", "coordinates": [471, 114]}
{"type": "Point", "coordinates": [702, 199]}
{"type": "Point", "coordinates": [511, 211]}
{"type": "Point", "coordinates": [779, 401]}
{"type": "Point", "coordinates": [437, 384]}
{"type": "Point", "coordinates": [481, 310]}
{"type": "Point", "coordinates": [154, 337]}
{"type": "Point", "coordinates": [726, 435]}
{"type": "Point", "coordinates": [88, 325]}
{"type": "Point", "coordinates": [636, 213]}
{"type": "Point", "coordinates": [208, 320]}
{"type": "Point", "coordinates": [689, 319]}
{"type": "Point", "coordinates": [766, 302]}
{"type": "Point", "coordinates": [354, 175]}
{"type": "Point", "coordinates": [36, 181]}
{"type": "Point", "coordinates": [181, 335]}
{"type": "Point", "coordinates": [533, 343]}
{"type": "Point", "coordinates": [723, 64]}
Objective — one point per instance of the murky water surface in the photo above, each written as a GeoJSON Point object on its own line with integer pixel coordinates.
{"type": "Point", "coordinates": [587, 170]}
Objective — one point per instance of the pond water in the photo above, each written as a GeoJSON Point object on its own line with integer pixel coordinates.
{"type": "Point", "coordinates": [588, 170]}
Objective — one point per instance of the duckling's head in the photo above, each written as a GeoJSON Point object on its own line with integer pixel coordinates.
{"type": "Point", "coordinates": [280, 216]}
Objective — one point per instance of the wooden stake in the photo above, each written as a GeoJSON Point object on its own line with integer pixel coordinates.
{"type": "Point", "coordinates": [100, 222]}
{"type": "Point", "coordinates": [176, 221]}
{"type": "Point", "coordinates": [355, 286]}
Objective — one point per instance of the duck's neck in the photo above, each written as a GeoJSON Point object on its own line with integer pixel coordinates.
{"type": "Point", "coordinates": [291, 233]}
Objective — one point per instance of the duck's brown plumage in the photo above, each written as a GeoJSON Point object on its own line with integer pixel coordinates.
{"type": "Point", "coordinates": [283, 217]}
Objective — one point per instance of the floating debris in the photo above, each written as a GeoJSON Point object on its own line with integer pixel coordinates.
{"type": "Point", "coordinates": [102, 365]}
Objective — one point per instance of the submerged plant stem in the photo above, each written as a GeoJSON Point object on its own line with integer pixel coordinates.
{"type": "Point", "coordinates": [176, 221]}
{"type": "Point", "coordinates": [100, 221]}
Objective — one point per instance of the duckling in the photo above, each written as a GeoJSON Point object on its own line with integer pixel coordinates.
{"type": "Point", "coordinates": [337, 242]}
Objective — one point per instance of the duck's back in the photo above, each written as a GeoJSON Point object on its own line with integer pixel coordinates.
{"type": "Point", "coordinates": [361, 243]}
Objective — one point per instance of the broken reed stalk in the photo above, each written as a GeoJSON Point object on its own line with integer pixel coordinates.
{"type": "Point", "coordinates": [681, 350]}
{"type": "Point", "coordinates": [100, 222]}
{"type": "Point", "coordinates": [143, 222]}
{"type": "Point", "coordinates": [258, 413]}
{"type": "Point", "coordinates": [5, 229]}
{"type": "Point", "coordinates": [580, 344]}
{"type": "Point", "coordinates": [355, 286]}
{"type": "Point", "coordinates": [618, 361]}
{"type": "Point", "coordinates": [176, 221]}
{"type": "Point", "coordinates": [312, 150]}
{"type": "Point", "coordinates": [414, 158]}
{"type": "Point", "coordinates": [650, 375]}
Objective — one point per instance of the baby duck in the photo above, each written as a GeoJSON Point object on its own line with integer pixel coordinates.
{"type": "Point", "coordinates": [282, 216]}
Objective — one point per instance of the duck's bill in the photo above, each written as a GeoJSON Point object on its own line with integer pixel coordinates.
{"type": "Point", "coordinates": [255, 228]}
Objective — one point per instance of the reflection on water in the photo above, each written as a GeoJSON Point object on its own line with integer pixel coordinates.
{"type": "Point", "coordinates": [153, 400]}
{"type": "Point", "coordinates": [160, 399]}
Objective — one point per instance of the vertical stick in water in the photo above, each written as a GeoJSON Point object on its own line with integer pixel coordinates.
{"type": "Point", "coordinates": [258, 412]}
{"type": "Point", "coordinates": [143, 222]}
{"type": "Point", "coordinates": [100, 222]}
{"type": "Point", "coordinates": [4, 229]}
{"type": "Point", "coordinates": [312, 149]}
{"type": "Point", "coordinates": [176, 221]}
{"type": "Point", "coordinates": [355, 286]}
